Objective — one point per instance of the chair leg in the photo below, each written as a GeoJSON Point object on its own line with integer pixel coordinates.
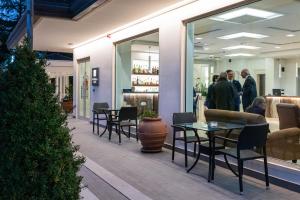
{"type": "Point", "coordinates": [93, 122]}
{"type": "Point", "coordinates": [173, 145]}
{"type": "Point", "coordinates": [119, 130]}
{"type": "Point", "coordinates": [136, 133]}
{"type": "Point", "coordinates": [129, 132]}
{"type": "Point", "coordinates": [240, 169]}
{"type": "Point", "coordinates": [185, 154]}
{"type": "Point", "coordinates": [266, 168]}
{"type": "Point", "coordinates": [97, 124]}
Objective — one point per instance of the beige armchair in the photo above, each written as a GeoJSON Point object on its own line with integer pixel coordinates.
{"type": "Point", "coordinates": [289, 115]}
{"type": "Point", "coordinates": [284, 144]}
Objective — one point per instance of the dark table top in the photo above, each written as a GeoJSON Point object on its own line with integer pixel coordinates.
{"type": "Point", "coordinates": [210, 126]}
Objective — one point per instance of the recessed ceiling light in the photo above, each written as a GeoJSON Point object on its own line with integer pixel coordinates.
{"type": "Point", "coordinates": [241, 47]}
{"type": "Point", "coordinates": [247, 11]}
{"type": "Point", "coordinates": [243, 34]}
{"type": "Point", "coordinates": [239, 54]}
{"type": "Point", "coordinates": [199, 38]}
{"type": "Point", "coordinates": [277, 47]}
{"type": "Point", "coordinates": [290, 35]}
{"type": "Point", "coordinates": [206, 48]}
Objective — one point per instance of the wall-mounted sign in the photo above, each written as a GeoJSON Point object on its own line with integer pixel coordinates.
{"type": "Point", "coordinates": [95, 76]}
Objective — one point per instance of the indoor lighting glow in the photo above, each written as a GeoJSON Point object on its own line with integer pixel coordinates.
{"type": "Point", "coordinates": [246, 11]}
{"type": "Point", "coordinates": [239, 54]}
{"type": "Point", "coordinates": [241, 47]}
{"type": "Point", "coordinates": [243, 34]}
{"type": "Point", "coordinates": [199, 38]}
{"type": "Point", "coordinates": [206, 48]}
{"type": "Point", "coordinates": [277, 47]}
{"type": "Point", "coordinates": [290, 35]}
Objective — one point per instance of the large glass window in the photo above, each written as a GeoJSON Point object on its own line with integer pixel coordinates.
{"type": "Point", "coordinates": [264, 38]}
{"type": "Point", "coordinates": [137, 73]}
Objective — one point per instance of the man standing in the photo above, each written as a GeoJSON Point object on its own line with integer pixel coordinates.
{"type": "Point", "coordinates": [223, 93]}
{"type": "Point", "coordinates": [249, 89]}
{"type": "Point", "coordinates": [238, 89]}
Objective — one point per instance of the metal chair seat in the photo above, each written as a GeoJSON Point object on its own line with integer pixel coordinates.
{"type": "Point", "coordinates": [244, 154]}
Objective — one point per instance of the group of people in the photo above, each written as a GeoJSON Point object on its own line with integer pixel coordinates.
{"type": "Point", "coordinates": [224, 93]}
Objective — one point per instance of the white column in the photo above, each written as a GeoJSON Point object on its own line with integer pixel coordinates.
{"type": "Point", "coordinates": [170, 70]}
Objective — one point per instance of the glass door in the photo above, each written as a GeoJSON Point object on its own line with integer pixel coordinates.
{"type": "Point", "coordinates": [84, 88]}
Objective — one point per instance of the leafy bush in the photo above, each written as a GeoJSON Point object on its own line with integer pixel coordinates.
{"type": "Point", "coordinates": [149, 113]}
{"type": "Point", "coordinates": [37, 159]}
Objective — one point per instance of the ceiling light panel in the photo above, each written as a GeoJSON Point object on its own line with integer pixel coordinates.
{"type": "Point", "coordinates": [263, 14]}
{"type": "Point", "coordinates": [240, 54]}
{"type": "Point", "coordinates": [243, 34]}
{"type": "Point", "coordinates": [241, 47]}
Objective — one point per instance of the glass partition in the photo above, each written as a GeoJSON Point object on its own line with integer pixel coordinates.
{"type": "Point", "coordinates": [262, 38]}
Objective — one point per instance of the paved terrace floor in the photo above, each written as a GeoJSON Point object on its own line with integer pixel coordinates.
{"type": "Point", "coordinates": [154, 175]}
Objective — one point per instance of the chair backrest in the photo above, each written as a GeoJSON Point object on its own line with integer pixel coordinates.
{"type": "Point", "coordinates": [253, 136]}
{"type": "Point", "coordinates": [184, 117]}
{"type": "Point", "coordinates": [288, 115]}
{"type": "Point", "coordinates": [128, 113]}
{"type": "Point", "coordinates": [98, 106]}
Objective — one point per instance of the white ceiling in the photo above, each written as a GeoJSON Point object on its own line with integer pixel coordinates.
{"type": "Point", "coordinates": [210, 46]}
{"type": "Point", "coordinates": [52, 34]}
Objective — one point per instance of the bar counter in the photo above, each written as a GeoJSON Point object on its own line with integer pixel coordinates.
{"type": "Point", "coordinates": [272, 101]}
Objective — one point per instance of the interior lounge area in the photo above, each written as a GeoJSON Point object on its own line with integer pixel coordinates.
{"type": "Point", "coordinates": [264, 38]}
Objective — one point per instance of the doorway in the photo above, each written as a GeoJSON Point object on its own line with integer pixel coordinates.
{"type": "Point", "coordinates": [261, 84]}
{"type": "Point", "coordinates": [84, 88]}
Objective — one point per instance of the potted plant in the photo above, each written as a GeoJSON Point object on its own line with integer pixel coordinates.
{"type": "Point", "coordinates": [67, 103]}
{"type": "Point", "coordinates": [152, 132]}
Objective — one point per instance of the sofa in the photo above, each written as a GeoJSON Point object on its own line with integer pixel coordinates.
{"type": "Point", "coordinates": [232, 116]}
{"type": "Point", "coordinates": [282, 144]}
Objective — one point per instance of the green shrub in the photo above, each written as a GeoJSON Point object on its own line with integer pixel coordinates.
{"type": "Point", "coordinates": [37, 159]}
{"type": "Point", "coordinates": [149, 113]}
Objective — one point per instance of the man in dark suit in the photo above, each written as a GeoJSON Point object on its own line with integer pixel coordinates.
{"type": "Point", "coordinates": [223, 93]}
{"type": "Point", "coordinates": [238, 89]}
{"type": "Point", "coordinates": [249, 89]}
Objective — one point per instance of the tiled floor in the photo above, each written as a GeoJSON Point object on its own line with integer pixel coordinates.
{"type": "Point", "coordinates": [158, 178]}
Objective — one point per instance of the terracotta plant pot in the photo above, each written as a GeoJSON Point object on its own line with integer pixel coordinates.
{"type": "Point", "coordinates": [67, 106]}
{"type": "Point", "coordinates": [152, 133]}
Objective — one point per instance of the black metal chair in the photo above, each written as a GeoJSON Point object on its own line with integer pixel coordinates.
{"type": "Point", "coordinates": [97, 112]}
{"type": "Point", "coordinates": [126, 117]}
{"type": "Point", "coordinates": [179, 118]}
{"type": "Point", "coordinates": [250, 143]}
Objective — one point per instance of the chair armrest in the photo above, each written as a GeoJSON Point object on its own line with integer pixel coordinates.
{"type": "Point", "coordinates": [225, 139]}
{"type": "Point", "coordinates": [178, 127]}
{"type": "Point", "coordinates": [284, 134]}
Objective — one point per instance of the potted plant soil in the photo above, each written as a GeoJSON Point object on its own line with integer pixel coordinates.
{"type": "Point", "coordinates": [67, 103]}
{"type": "Point", "coordinates": [152, 132]}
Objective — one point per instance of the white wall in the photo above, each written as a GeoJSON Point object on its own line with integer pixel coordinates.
{"type": "Point", "coordinates": [288, 80]}
{"type": "Point", "coordinates": [171, 46]}
{"type": "Point", "coordinates": [101, 55]}
{"type": "Point", "coordinates": [255, 65]}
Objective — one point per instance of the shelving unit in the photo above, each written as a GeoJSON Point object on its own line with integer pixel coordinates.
{"type": "Point", "coordinates": [145, 78]}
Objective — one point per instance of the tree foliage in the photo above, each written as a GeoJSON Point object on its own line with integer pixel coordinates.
{"type": "Point", "coordinates": [37, 159]}
{"type": "Point", "coordinates": [10, 13]}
